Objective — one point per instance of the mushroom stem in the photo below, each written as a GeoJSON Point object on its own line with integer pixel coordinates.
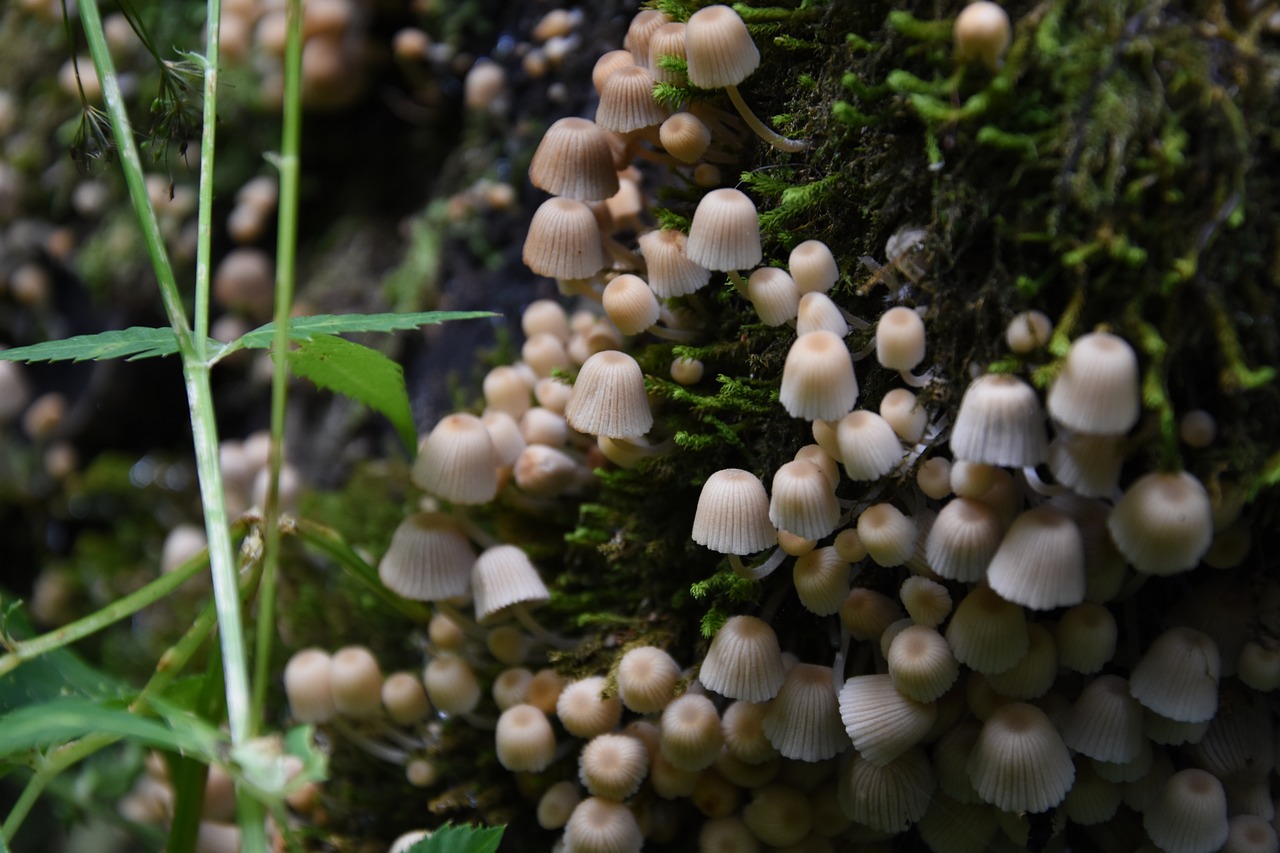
{"type": "Point", "coordinates": [782, 143]}
{"type": "Point", "coordinates": [531, 625]}
{"type": "Point", "coordinates": [761, 571]}
{"type": "Point", "coordinates": [405, 740]}
{"type": "Point", "coordinates": [916, 381]}
{"type": "Point", "coordinates": [854, 321]}
{"type": "Point", "coordinates": [377, 749]}
{"type": "Point", "coordinates": [473, 531]}
{"type": "Point", "coordinates": [670, 334]}
{"type": "Point", "coordinates": [738, 283]}
{"type": "Point", "coordinates": [621, 254]}
{"type": "Point", "coordinates": [463, 621]}
{"type": "Point", "coordinates": [1040, 487]}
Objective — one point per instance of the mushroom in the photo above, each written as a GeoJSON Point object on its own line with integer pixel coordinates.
{"type": "Point", "coordinates": [732, 518]}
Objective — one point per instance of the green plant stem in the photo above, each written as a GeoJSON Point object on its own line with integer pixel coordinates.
{"type": "Point", "coordinates": [204, 215]}
{"type": "Point", "coordinates": [47, 769]}
{"type": "Point", "coordinates": [115, 611]}
{"type": "Point", "coordinates": [286, 256]}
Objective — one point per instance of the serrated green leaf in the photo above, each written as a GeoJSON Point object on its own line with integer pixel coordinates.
{"type": "Point", "coordinates": [358, 372]}
{"type": "Point", "coordinates": [61, 720]}
{"type": "Point", "coordinates": [462, 838]}
{"type": "Point", "coordinates": [305, 328]}
{"type": "Point", "coordinates": [132, 343]}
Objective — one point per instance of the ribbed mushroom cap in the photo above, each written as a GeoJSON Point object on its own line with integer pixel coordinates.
{"type": "Point", "coordinates": [888, 535]}
{"type": "Point", "coordinates": [733, 514]}
{"type": "Point", "coordinates": [609, 398]}
{"type": "Point", "coordinates": [869, 448]}
{"type": "Point", "coordinates": [900, 339]}
{"type": "Point", "coordinates": [1000, 422]}
{"type": "Point", "coordinates": [903, 411]}
{"type": "Point", "coordinates": [957, 827]}
{"type": "Point", "coordinates": [1019, 763]}
{"type": "Point", "coordinates": [881, 722]}
{"type": "Point", "coordinates": [574, 160]}
{"type": "Point", "coordinates": [1189, 815]}
{"type": "Point", "coordinates": [630, 304]}
{"type": "Point", "coordinates": [689, 735]}
{"type": "Point", "coordinates": [1097, 390]}
{"type": "Point", "coordinates": [1092, 800]}
{"type": "Point", "coordinates": [667, 40]}
{"type": "Point", "coordinates": [742, 726]}
{"type": "Point", "coordinates": [602, 826]}
{"type": "Point", "coordinates": [1034, 673]}
{"type": "Point", "coordinates": [926, 601]}
{"type": "Point", "coordinates": [503, 576]}
{"type": "Point", "coordinates": [505, 434]}
{"type": "Point", "coordinates": [803, 722]}
{"type": "Point", "coordinates": [671, 271]}
{"type": "Point", "coordinates": [718, 48]}
{"type": "Point", "coordinates": [307, 685]}
{"type": "Point", "coordinates": [1164, 523]}
{"type": "Point", "coordinates": [557, 803]}
{"type": "Point", "coordinates": [725, 231]}
{"type": "Point", "coordinates": [822, 580]}
{"type": "Point", "coordinates": [1240, 740]}
{"type": "Point", "coordinates": [774, 295]}
{"type": "Point", "coordinates": [803, 501]}
{"type": "Point", "coordinates": [1086, 637]}
{"type": "Point", "coordinates": [511, 687]}
{"type": "Point", "coordinates": [744, 660]}
{"type": "Point", "coordinates": [685, 136]}
{"type": "Point", "coordinates": [613, 766]}
{"type": "Point", "coordinates": [1105, 723]}
{"type": "Point", "coordinates": [1089, 465]}
{"type": "Point", "coordinates": [641, 30]}
{"type": "Point", "coordinates": [647, 678]}
{"type": "Point", "coordinates": [986, 632]}
{"type": "Point", "coordinates": [458, 461]}
{"type": "Point", "coordinates": [451, 685]}
{"type": "Point", "coordinates": [1177, 677]}
{"type": "Point", "coordinates": [608, 63]}
{"type": "Point", "coordinates": [866, 614]}
{"type": "Point", "coordinates": [888, 797]}
{"type": "Point", "coordinates": [813, 267]}
{"type": "Point", "coordinates": [563, 240]}
{"type": "Point", "coordinates": [817, 312]}
{"type": "Point", "coordinates": [963, 539]}
{"type": "Point", "coordinates": [1249, 833]}
{"type": "Point", "coordinates": [626, 101]}
{"type": "Point", "coordinates": [524, 739]}
{"type": "Point", "coordinates": [429, 558]}
{"type": "Point", "coordinates": [584, 712]}
{"type": "Point", "coordinates": [818, 382]}
{"type": "Point", "coordinates": [921, 664]}
{"type": "Point", "coordinates": [1040, 561]}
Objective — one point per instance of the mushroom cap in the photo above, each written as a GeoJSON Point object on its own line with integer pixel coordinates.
{"type": "Point", "coordinates": [744, 660]}
{"type": "Point", "coordinates": [774, 295]}
{"type": "Point", "coordinates": [429, 558]}
{"type": "Point", "coordinates": [742, 726]}
{"type": "Point", "coordinates": [503, 576]}
{"type": "Point", "coordinates": [888, 535]}
{"type": "Point", "coordinates": [818, 382]}
{"type": "Point", "coordinates": [689, 734]}
{"type": "Point", "coordinates": [963, 539]}
{"type": "Point", "coordinates": [888, 797]}
{"type": "Point", "coordinates": [685, 136]}
{"type": "Point", "coordinates": [803, 721]}
{"type": "Point", "coordinates": [1189, 814]}
{"type": "Point", "coordinates": [1040, 561]}
{"type": "Point", "coordinates": [524, 740]}
{"type": "Point", "coordinates": [900, 339]}
{"type": "Point", "coordinates": [1105, 723]}
{"type": "Point", "coordinates": [1089, 465]}
{"type": "Point", "coordinates": [307, 685]}
{"type": "Point", "coordinates": [719, 50]}
{"type": "Point", "coordinates": [813, 267]}
{"type": "Point", "coordinates": [921, 664]}
{"type": "Point", "coordinates": [803, 501]}
{"type": "Point", "coordinates": [667, 40]}
{"type": "Point", "coordinates": [671, 272]}
{"type": "Point", "coordinates": [458, 461]}
{"type": "Point", "coordinates": [1177, 676]}
{"type": "Point", "coordinates": [733, 514]}
{"type": "Point", "coordinates": [608, 397]}
{"type": "Point", "coordinates": [1019, 763]}
{"type": "Point", "coordinates": [574, 160]}
{"type": "Point", "coordinates": [778, 815]}
{"type": "Point", "coordinates": [881, 722]}
{"type": "Point", "coordinates": [1035, 672]}
{"type": "Point", "coordinates": [647, 678]}
{"type": "Point", "coordinates": [630, 304]}
{"type": "Point", "coordinates": [822, 580]}
{"type": "Point", "coordinates": [1097, 390]}
{"type": "Point", "coordinates": [982, 32]}
{"type": "Point", "coordinates": [602, 826]}
{"type": "Point", "coordinates": [817, 311]}
{"type": "Point", "coordinates": [613, 766]}
{"type": "Point", "coordinates": [1163, 524]}
{"type": "Point", "coordinates": [451, 685]}
{"type": "Point", "coordinates": [725, 231]}
{"type": "Point", "coordinates": [626, 101]}
{"type": "Point", "coordinates": [869, 448]}
{"type": "Point", "coordinates": [987, 633]}
{"type": "Point", "coordinates": [563, 241]}
{"type": "Point", "coordinates": [584, 711]}
{"type": "Point", "coordinates": [1000, 422]}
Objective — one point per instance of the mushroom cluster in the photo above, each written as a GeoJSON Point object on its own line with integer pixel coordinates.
{"type": "Point", "coordinates": [968, 669]}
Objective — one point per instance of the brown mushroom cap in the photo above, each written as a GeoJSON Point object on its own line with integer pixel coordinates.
{"type": "Point", "coordinates": [574, 160]}
{"type": "Point", "coordinates": [725, 232]}
{"type": "Point", "coordinates": [563, 240]}
{"type": "Point", "coordinates": [719, 50]}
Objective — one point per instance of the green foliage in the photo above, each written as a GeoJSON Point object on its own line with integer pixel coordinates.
{"type": "Point", "coordinates": [461, 838]}
{"type": "Point", "coordinates": [358, 372]}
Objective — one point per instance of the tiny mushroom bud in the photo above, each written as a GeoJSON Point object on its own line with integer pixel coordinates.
{"type": "Point", "coordinates": [524, 739]}
{"type": "Point", "coordinates": [982, 34]}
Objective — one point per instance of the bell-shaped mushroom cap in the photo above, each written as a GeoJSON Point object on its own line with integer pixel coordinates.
{"type": "Point", "coordinates": [563, 241]}
{"type": "Point", "coordinates": [1040, 561]}
{"type": "Point", "coordinates": [818, 382]}
{"type": "Point", "coordinates": [356, 682]}
{"type": "Point", "coordinates": [671, 272]}
{"type": "Point", "coordinates": [458, 461]}
{"type": "Point", "coordinates": [733, 514]}
{"type": "Point", "coordinates": [1164, 523]}
{"type": "Point", "coordinates": [602, 826]}
{"type": "Point", "coordinates": [744, 660]}
{"type": "Point", "coordinates": [630, 304]}
{"type": "Point", "coordinates": [647, 678]}
{"type": "Point", "coordinates": [1019, 763]}
{"type": "Point", "coordinates": [626, 101]}
{"type": "Point", "coordinates": [1177, 677]}
{"type": "Point", "coordinates": [869, 448]}
{"type": "Point", "coordinates": [813, 267]}
{"type": "Point", "coordinates": [689, 735]}
{"type": "Point", "coordinates": [742, 726]}
{"type": "Point", "coordinates": [1086, 637]}
{"type": "Point", "coordinates": [1034, 674]}
{"type": "Point", "coordinates": [888, 797]}
{"type": "Point", "coordinates": [803, 722]}
{"type": "Point", "coordinates": [725, 232]}
{"type": "Point", "coordinates": [881, 722]}
{"type": "Point", "coordinates": [1097, 390]}
{"type": "Point", "coordinates": [641, 30]}
{"type": "Point", "coordinates": [613, 766]}
{"type": "Point", "coordinates": [608, 63]}
{"type": "Point", "coordinates": [1089, 465]}
{"type": "Point", "coordinates": [524, 740]}
{"type": "Point", "coordinates": [584, 711]}
{"type": "Point", "coordinates": [816, 311]}
{"type": "Point", "coordinates": [1105, 723]}
{"type": "Point", "coordinates": [987, 633]}
{"type": "Point", "coordinates": [921, 664]}
{"type": "Point", "coordinates": [667, 40]}
{"type": "Point", "coordinates": [608, 397]}
{"type": "Point", "coordinates": [822, 580]}
{"type": "Point", "coordinates": [1190, 813]}
{"type": "Point", "coordinates": [451, 685]}
{"type": "Point", "coordinates": [307, 680]}
{"type": "Point", "coordinates": [963, 539]}
{"type": "Point", "coordinates": [574, 160]}
{"type": "Point", "coordinates": [888, 535]}
{"type": "Point", "coordinates": [774, 295]}
{"type": "Point", "coordinates": [429, 558]}
{"type": "Point", "coordinates": [719, 50]}
{"type": "Point", "coordinates": [1000, 422]}
{"type": "Point", "coordinates": [503, 576]}
{"type": "Point", "coordinates": [900, 339]}
{"type": "Point", "coordinates": [803, 501]}
{"type": "Point", "coordinates": [685, 136]}
{"type": "Point", "coordinates": [926, 601]}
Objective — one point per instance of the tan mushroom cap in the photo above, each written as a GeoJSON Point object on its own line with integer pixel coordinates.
{"type": "Point", "coordinates": [1001, 422]}
{"type": "Point", "coordinates": [608, 397]}
{"type": "Point", "coordinates": [1019, 762]}
{"type": "Point", "coordinates": [744, 661]}
{"type": "Point", "coordinates": [733, 514]}
{"type": "Point", "coordinates": [502, 576]}
{"type": "Point", "coordinates": [671, 271]}
{"type": "Point", "coordinates": [574, 160]}
{"type": "Point", "coordinates": [1097, 390]}
{"type": "Point", "coordinates": [685, 136]}
{"type": "Point", "coordinates": [719, 50]}
{"type": "Point", "coordinates": [725, 232]}
{"type": "Point", "coordinates": [818, 382]}
{"type": "Point", "coordinates": [667, 40]}
{"type": "Point", "coordinates": [429, 558]}
{"type": "Point", "coordinates": [1040, 561]}
{"type": "Point", "coordinates": [458, 461]}
{"type": "Point", "coordinates": [803, 721]}
{"type": "Point", "coordinates": [626, 101]}
{"type": "Point", "coordinates": [563, 240]}
{"type": "Point", "coordinates": [1164, 523]}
